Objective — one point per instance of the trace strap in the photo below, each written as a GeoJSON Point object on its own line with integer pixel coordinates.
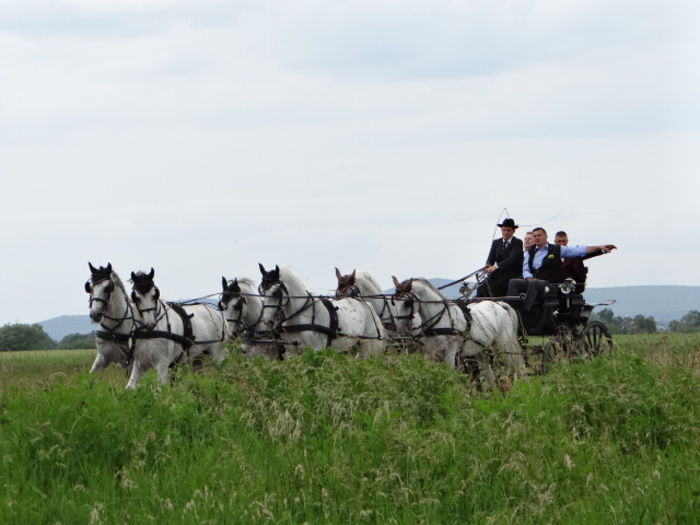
{"type": "Point", "coordinates": [330, 331]}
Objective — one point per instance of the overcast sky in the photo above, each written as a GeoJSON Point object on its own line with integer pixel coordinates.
{"type": "Point", "coordinates": [200, 138]}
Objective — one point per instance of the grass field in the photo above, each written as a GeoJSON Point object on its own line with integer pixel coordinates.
{"type": "Point", "coordinates": [327, 439]}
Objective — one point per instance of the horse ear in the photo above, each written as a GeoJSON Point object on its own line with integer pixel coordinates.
{"type": "Point", "coordinates": [262, 268]}
{"type": "Point", "coordinates": [337, 273]}
{"type": "Point", "coordinates": [109, 267]}
{"type": "Point", "coordinates": [224, 283]}
{"type": "Point", "coordinates": [235, 281]}
{"type": "Point", "coordinates": [352, 275]}
{"type": "Point", "coordinates": [277, 269]}
{"type": "Point", "coordinates": [396, 282]}
{"type": "Point", "coordinates": [151, 274]}
{"type": "Point", "coordinates": [92, 268]}
{"type": "Point", "coordinates": [133, 276]}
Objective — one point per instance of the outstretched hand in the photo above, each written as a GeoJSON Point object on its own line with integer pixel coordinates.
{"type": "Point", "coordinates": [607, 248]}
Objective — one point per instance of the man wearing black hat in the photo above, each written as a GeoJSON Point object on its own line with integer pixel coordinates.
{"type": "Point", "coordinates": [505, 261]}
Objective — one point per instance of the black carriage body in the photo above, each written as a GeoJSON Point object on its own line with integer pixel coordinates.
{"type": "Point", "coordinates": [563, 320]}
{"type": "Point", "coordinates": [558, 311]}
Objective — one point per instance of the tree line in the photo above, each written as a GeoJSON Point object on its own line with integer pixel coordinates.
{"type": "Point", "coordinates": [640, 324]}
{"type": "Point", "coordinates": [33, 337]}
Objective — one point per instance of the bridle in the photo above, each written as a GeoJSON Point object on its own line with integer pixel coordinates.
{"type": "Point", "coordinates": [427, 326]}
{"type": "Point", "coordinates": [241, 308]}
{"type": "Point", "coordinates": [352, 290]}
{"type": "Point", "coordinates": [281, 292]}
{"type": "Point", "coordinates": [410, 300]}
{"type": "Point", "coordinates": [109, 289]}
{"type": "Point", "coordinates": [158, 306]}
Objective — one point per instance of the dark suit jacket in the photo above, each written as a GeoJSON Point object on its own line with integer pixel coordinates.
{"type": "Point", "coordinates": [510, 265]}
{"type": "Point", "coordinates": [573, 267]}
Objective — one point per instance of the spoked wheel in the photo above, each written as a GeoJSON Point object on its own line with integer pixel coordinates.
{"type": "Point", "coordinates": [562, 346]}
{"type": "Point", "coordinates": [553, 351]}
{"type": "Point", "coordinates": [597, 339]}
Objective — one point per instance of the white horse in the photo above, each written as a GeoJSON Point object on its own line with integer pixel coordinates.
{"type": "Point", "coordinates": [112, 308]}
{"type": "Point", "coordinates": [243, 309]}
{"type": "Point", "coordinates": [401, 330]}
{"type": "Point", "coordinates": [454, 337]}
{"type": "Point", "coordinates": [301, 320]}
{"type": "Point", "coordinates": [171, 333]}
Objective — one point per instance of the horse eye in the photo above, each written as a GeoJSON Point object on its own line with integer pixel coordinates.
{"type": "Point", "coordinates": [110, 287]}
{"type": "Point", "coordinates": [88, 287]}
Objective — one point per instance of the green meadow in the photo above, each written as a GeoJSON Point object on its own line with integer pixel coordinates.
{"type": "Point", "coordinates": [324, 438]}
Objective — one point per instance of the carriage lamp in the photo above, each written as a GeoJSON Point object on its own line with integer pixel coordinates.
{"type": "Point", "coordinates": [567, 286]}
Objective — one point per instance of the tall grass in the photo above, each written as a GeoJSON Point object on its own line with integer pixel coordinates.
{"type": "Point", "coordinates": [327, 439]}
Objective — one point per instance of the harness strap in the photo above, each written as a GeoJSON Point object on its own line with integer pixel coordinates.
{"type": "Point", "coordinates": [330, 331]}
{"type": "Point", "coordinates": [187, 332]}
{"type": "Point", "coordinates": [113, 336]}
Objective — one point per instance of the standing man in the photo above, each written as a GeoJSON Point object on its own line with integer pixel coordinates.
{"type": "Point", "coordinates": [543, 265]}
{"type": "Point", "coordinates": [504, 262]}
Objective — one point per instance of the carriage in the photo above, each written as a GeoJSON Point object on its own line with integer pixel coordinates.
{"type": "Point", "coordinates": [562, 324]}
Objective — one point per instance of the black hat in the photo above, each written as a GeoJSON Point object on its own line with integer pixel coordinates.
{"type": "Point", "coordinates": [508, 223]}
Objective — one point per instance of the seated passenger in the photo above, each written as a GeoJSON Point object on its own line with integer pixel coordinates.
{"type": "Point", "coordinates": [572, 267]}
{"type": "Point", "coordinates": [543, 265]}
{"type": "Point", "coordinates": [528, 241]}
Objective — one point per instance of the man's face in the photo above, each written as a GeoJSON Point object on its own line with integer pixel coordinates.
{"type": "Point", "coordinates": [507, 232]}
{"type": "Point", "coordinates": [561, 240]}
{"type": "Point", "coordinates": [540, 238]}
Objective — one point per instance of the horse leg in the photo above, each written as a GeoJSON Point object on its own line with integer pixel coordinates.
{"type": "Point", "coordinates": [137, 370]}
{"type": "Point", "coordinates": [162, 367]}
{"type": "Point", "coordinates": [218, 353]}
{"type": "Point", "coordinates": [449, 355]}
{"type": "Point", "coordinates": [100, 363]}
{"type": "Point", "coordinates": [509, 346]}
{"type": "Point", "coordinates": [473, 349]}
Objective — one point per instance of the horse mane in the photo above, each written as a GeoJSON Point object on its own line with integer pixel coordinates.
{"type": "Point", "coordinates": [245, 280]}
{"type": "Point", "coordinates": [118, 282]}
{"type": "Point", "coordinates": [370, 280]}
{"type": "Point", "coordinates": [290, 279]}
{"type": "Point", "coordinates": [429, 285]}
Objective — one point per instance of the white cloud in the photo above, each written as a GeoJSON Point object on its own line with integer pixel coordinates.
{"type": "Point", "coordinates": [201, 138]}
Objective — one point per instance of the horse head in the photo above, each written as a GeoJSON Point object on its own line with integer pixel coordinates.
{"type": "Point", "coordinates": [234, 305]}
{"type": "Point", "coordinates": [405, 302]}
{"type": "Point", "coordinates": [100, 287]}
{"type": "Point", "coordinates": [145, 295]}
{"type": "Point", "coordinates": [268, 278]}
{"type": "Point", "coordinates": [347, 286]}
{"type": "Point", "coordinates": [275, 296]}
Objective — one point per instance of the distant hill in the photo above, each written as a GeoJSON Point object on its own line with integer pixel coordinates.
{"type": "Point", "coordinates": [61, 326]}
{"type": "Point", "coordinates": [664, 303]}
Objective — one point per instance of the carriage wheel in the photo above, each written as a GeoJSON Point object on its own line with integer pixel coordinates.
{"type": "Point", "coordinates": [597, 339]}
{"type": "Point", "coordinates": [553, 351]}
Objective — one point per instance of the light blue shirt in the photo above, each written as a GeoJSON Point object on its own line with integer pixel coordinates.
{"type": "Point", "coordinates": [541, 253]}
